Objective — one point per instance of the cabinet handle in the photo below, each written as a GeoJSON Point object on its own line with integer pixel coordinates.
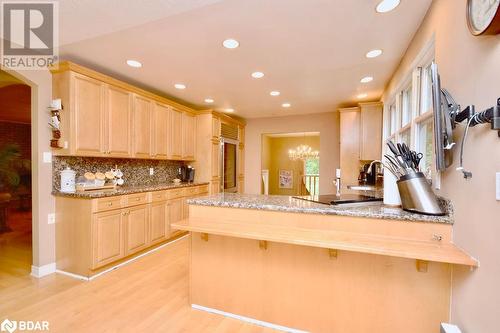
{"type": "Point", "coordinates": [110, 204]}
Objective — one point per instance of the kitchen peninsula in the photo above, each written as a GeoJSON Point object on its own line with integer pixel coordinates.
{"type": "Point", "coordinates": [320, 268]}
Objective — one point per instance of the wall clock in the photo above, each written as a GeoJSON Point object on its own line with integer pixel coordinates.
{"type": "Point", "coordinates": [483, 17]}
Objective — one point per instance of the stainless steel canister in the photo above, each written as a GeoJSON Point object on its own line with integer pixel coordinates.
{"type": "Point", "coordinates": [417, 196]}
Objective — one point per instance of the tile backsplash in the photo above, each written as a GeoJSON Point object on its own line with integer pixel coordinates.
{"type": "Point", "coordinates": [135, 171]}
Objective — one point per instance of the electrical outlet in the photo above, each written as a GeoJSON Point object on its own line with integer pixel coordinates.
{"type": "Point", "coordinates": [51, 218]}
{"type": "Point", "coordinates": [47, 157]}
{"type": "Point", "coordinates": [151, 171]}
{"type": "Point", "coordinates": [498, 185]}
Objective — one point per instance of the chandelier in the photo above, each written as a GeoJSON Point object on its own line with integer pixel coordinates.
{"type": "Point", "coordinates": [303, 152]}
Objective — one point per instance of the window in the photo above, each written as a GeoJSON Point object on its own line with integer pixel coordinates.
{"type": "Point", "coordinates": [311, 175]}
{"type": "Point", "coordinates": [409, 117]}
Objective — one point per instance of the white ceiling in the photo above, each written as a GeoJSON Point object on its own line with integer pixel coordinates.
{"type": "Point", "coordinates": [312, 51]}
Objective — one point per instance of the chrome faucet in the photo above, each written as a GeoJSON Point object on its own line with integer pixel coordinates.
{"type": "Point", "coordinates": [337, 185]}
{"type": "Point", "coordinates": [371, 164]}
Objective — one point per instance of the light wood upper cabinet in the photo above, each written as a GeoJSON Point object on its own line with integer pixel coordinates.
{"type": "Point", "coordinates": [160, 140]}
{"type": "Point", "coordinates": [118, 126]}
{"type": "Point", "coordinates": [107, 238]}
{"type": "Point", "coordinates": [349, 145]}
{"type": "Point", "coordinates": [89, 116]}
{"type": "Point", "coordinates": [371, 131]}
{"type": "Point", "coordinates": [142, 122]}
{"type": "Point", "coordinates": [175, 144]}
{"type": "Point", "coordinates": [159, 222]}
{"type": "Point", "coordinates": [215, 128]}
{"type": "Point", "coordinates": [188, 136]}
{"type": "Point", "coordinates": [136, 228]}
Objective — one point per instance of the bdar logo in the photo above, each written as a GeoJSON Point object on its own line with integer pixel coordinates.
{"type": "Point", "coordinates": [8, 326]}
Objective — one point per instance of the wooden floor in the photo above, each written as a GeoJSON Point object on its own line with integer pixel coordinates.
{"type": "Point", "coordinates": [147, 295]}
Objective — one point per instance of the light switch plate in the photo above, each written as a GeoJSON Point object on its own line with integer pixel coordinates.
{"type": "Point", "coordinates": [51, 218]}
{"type": "Point", "coordinates": [498, 186]}
{"type": "Point", "coordinates": [47, 157]}
{"type": "Point", "coordinates": [151, 171]}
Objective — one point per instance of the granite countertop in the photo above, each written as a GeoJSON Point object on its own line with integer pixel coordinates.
{"type": "Point", "coordinates": [122, 190]}
{"type": "Point", "coordinates": [376, 210]}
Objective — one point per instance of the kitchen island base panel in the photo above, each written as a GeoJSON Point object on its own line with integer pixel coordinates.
{"type": "Point", "coordinates": [306, 288]}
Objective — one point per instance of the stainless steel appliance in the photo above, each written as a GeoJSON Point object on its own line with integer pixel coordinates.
{"type": "Point", "coordinates": [229, 165]}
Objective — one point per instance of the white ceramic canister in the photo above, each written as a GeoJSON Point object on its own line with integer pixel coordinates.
{"type": "Point", "coordinates": [68, 180]}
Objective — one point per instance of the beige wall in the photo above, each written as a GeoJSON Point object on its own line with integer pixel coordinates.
{"type": "Point", "coordinates": [327, 124]}
{"type": "Point", "coordinates": [278, 159]}
{"type": "Point", "coordinates": [43, 201]}
{"type": "Point", "coordinates": [470, 70]}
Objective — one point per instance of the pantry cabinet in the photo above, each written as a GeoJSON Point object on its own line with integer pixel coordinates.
{"type": "Point", "coordinates": [105, 117]}
{"type": "Point", "coordinates": [92, 234]}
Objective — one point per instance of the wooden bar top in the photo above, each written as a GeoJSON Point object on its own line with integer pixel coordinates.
{"type": "Point", "coordinates": [430, 250]}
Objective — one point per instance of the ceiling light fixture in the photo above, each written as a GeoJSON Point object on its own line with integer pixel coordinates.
{"type": "Point", "coordinates": [230, 110]}
{"type": "Point", "coordinates": [180, 86]}
{"type": "Point", "coordinates": [360, 96]}
{"type": "Point", "coordinates": [209, 100]}
{"type": "Point", "coordinates": [373, 53]}
{"type": "Point", "coordinates": [231, 43]}
{"type": "Point", "coordinates": [387, 5]}
{"type": "Point", "coordinates": [134, 63]}
{"type": "Point", "coordinates": [257, 75]}
{"type": "Point", "coordinates": [274, 93]}
{"type": "Point", "coordinates": [286, 105]}
{"type": "Point", "coordinates": [366, 79]}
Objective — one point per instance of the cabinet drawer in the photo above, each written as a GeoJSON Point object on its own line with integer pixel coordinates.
{"type": "Point", "coordinates": [203, 189]}
{"type": "Point", "coordinates": [137, 199]}
{"type": "Point", "coordinates": [110, 203]}
{"type": "Point", "coordinates": [176, 193]}
{"type": "Point", "coordinates": [190, 191]}
{"type": "Point", "coordinates": [158, 196]}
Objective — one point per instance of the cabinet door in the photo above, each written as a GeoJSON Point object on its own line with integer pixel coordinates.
{"type": "Point", "coordinates": [188, 136]}
{"type": "Point", "coordinates": [215, 186]}
{"type": "Point", "coordinates": [89, 116]}
{"type": "Point", "coordinates": [215, 159]}
{"type": "Point", "coordinates": [159, 228]}
{"type": "Point", "coordinates": [175, 148]}
{"type": "Point", "coordinates": [119, 122]}
{"type": "Point", "coordinates": [136, 229]}
{"type": "Point", "coordinates": [176, 211]}
{"type": "Point", "coordinates": [215, 128]}
{"type": "Point", "coordinates": [349, 146]}
{"type": "Point", "coordinates": [241, 160]}
{"type": "Point", "coordinates": [107, 238]}
{"type": "Point", "coordinates": [161, 131]}
{"type": "Point", "coordinates": [142, 127]}
{"type": "Point", "coordinates": [371, 132]}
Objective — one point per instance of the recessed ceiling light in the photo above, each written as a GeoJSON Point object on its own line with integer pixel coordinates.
{"type": "Point", "coordinates": [209, 100]}
{"type": "Point", "coordinates": [231, 43]}
{"type": "Point", "coordinates": [387, 5]}
{"type": "Point", "coordinates": [274, 93]}
{"type": "Point", "coordinates": [374, 53]}
{"type": "Point", "coordinates": [257, 75]}
{"type": "Point", "coordinates": [134, 63]}
{"type": "Point", "coordinates": [362, 96]}
{"type": "Point", "coordinates": [366, 79]}
{"type": "Point", "coordinates": [286, 105]}
{"type": "Point", "coordinates": [180, 86]}
{"type": "Point", "coordinates": [230, 110]}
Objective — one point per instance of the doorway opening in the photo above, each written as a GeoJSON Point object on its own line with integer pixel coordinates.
{"type": "Point", "coordinates": [15, 177]}
{"type": "Point", "coordinates": [289, 164]}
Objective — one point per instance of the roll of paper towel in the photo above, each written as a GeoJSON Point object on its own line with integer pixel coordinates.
{"type": "Point", "coordinates": [391, 192]}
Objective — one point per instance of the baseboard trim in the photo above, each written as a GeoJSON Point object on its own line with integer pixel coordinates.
{"type": "Point", "coordinates": [90, 278]}
{"type": "Point", "coordinates": [247, 319]}
{"type": "Point", "coordinates": [41, 271]}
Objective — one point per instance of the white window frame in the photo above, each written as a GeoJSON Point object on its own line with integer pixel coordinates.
{"type": "Point", "coordinates": [416, 77]}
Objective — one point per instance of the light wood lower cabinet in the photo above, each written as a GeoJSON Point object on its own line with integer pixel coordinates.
{"type": "Point", "coordinates": [107, 238]}
{"type": "Point", "coordinates": [94, 233]}
{"type": "Point", "coordinates": [136, 221]}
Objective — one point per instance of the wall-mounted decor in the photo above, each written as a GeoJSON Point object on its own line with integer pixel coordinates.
{"type": "Point", "coordinates": [483, 17]}
{"type": "Point", "coordinates": [285, 179]}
